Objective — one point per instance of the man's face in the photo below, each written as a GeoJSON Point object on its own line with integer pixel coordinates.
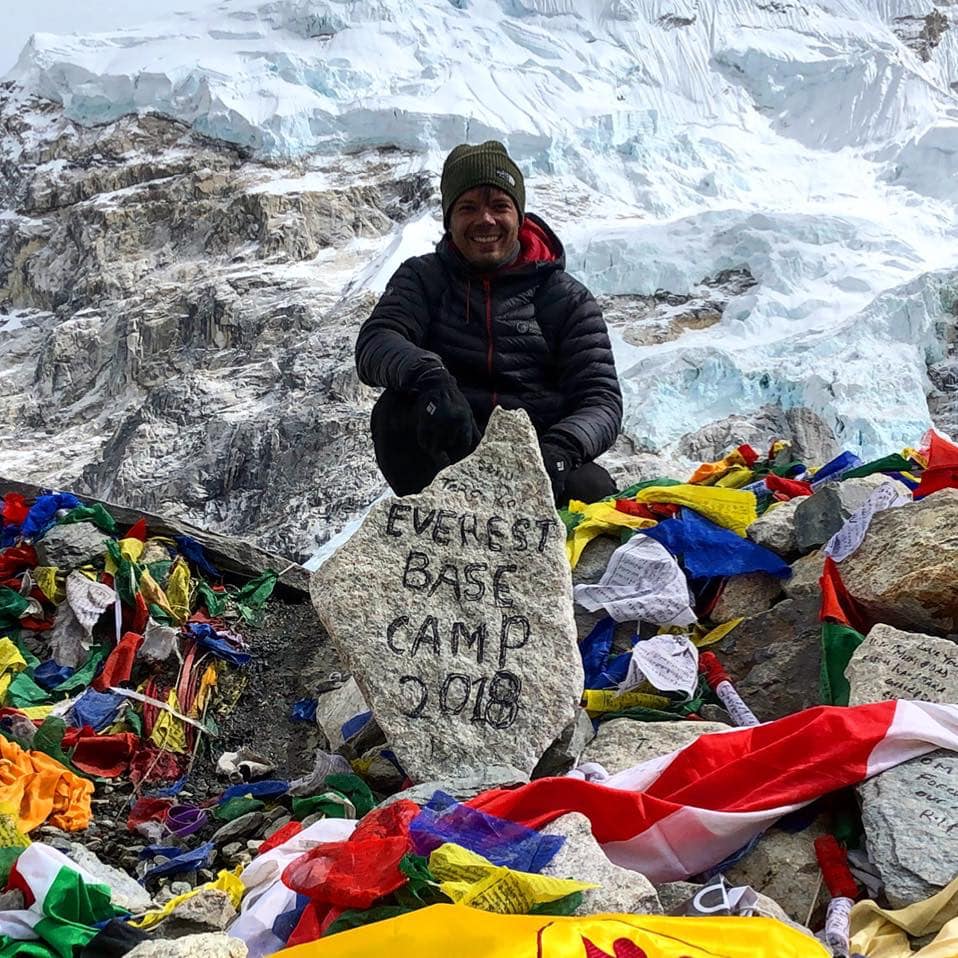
{"type": "Point", "coordinates": [484, 224]}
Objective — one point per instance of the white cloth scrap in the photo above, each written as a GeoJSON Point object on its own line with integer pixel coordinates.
{"type": "Point", "coordinates": [642, 583]}
{"type": "Point", "coordinates": [668, 662]}
{"type": "Point", "coordinates": [851, 535]}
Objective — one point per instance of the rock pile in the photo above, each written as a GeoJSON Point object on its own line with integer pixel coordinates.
{"type": "Point", "coordinates": [464, 749]}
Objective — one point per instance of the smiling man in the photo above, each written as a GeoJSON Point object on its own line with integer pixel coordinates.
{"type": "Point", "coordinates": [491, 318]}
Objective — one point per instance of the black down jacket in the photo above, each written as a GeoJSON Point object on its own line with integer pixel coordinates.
{"type": "Point", "coordinates": [527, 336]}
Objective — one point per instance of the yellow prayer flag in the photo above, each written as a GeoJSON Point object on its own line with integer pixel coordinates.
{"type": "Point", "coordinates": [884, 932]}
{"type": "Point", "coordinates": [702, 638]}
{"type": "Point", "coordinates": [45, 577]}
{"type": "Point", "coordinates": [178, 588]}
{"type": "Point", "coordinates": [130, 549]}
{"type": "Point", "coordinates": [169, 732]}
{"type": "Point", "coordinates": [444, 931]}
{"type": "Point", "coordinates": [710, 472]}
{"type": "Point", "coordinates": [470, 879]}
{"type": "Point", "coordinates": [611, 700]}
{"type": "Point", "coordinates": [600, 517]}
{"type": "Point", "coordinates": [734, 509]}
{"type": "Point", "coordinates": [11, 662]}
{"type": "Point", "coordinates": [227, 881]}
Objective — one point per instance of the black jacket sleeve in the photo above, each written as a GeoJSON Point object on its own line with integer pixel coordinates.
{"type": "Point", "coordinates": [592, 407]}
{"type": "Point", "coordinates": [389, 348]}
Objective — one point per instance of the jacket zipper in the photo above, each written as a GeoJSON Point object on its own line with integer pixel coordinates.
{"type": "Point", "coordinates": [487, 289]}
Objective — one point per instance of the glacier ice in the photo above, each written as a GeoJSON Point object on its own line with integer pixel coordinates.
{"type": "Point", "coordinates": [811, 143]}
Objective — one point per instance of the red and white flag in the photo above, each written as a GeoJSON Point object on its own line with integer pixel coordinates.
{"type": "Point", "coordinates": [686, 812]}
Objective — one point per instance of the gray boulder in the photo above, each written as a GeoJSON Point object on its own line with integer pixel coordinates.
{"type": "Point", "coordinates": [72, 545]}
{"type": "Point", "coordinates": [620, 890]}
{"type": "Point", "coordinates": [211, 945]}
{"type": "Point", "coordinates": [819, 516]}
{"type": "Point", "coordinates": [622, 743]}
{"type": "Point", "coordinates": [746, 595]}
{"type": "Point", "coordinates": [775, 529]}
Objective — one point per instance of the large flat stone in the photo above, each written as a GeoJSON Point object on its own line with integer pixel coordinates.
{"type": "Point", "coordinates": [904, 573]}
{"type": "Point", "coordinates": [622, 743]}
{"type": "Point", "coordinates": [620, 890]}
{"type": "Point", "coordinates": [909, 812]}
{"type": "Point", "coordinates": [453, 611]}
{"type": "Point", "coordinates": [910, 815]}
{"type": "Point", "coordinates": [746, 595]}
{"type": "Point", "coordinates": [212, 945]}
{"type": "Point", "coordinates": [892, 664]}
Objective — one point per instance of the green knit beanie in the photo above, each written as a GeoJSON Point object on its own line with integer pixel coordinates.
{"type": "Point", "coordinates": [487, 164]}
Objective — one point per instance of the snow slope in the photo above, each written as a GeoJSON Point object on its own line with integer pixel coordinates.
{"type": "Point", "coordinates": [664, 139]}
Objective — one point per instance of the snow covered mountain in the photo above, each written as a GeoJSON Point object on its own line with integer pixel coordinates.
{"type": "Point", "coordinates": [200, 211]}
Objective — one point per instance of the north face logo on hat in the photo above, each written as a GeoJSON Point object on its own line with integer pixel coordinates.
{"type": "Point", "coordinates": [507, 176]}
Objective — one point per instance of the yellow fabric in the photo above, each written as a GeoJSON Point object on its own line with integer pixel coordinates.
{"type": "Point", "coordinates": [734, 509]}
{"type": "Point", "coordinates": [131, 549]}
{"type": "Point", "coordinates": [10, 834]}
{"type": "Point", "coordinates": [207, 684]}
{"type": "Point", "coordinates": [454, 931]}
{"type": "Point", "coordinates": [178, 588]}
{"type": "Point", "coordinates": [601, 700]}
{"type": "Point", "coordinates": [736, 477]}
{"type": "Point", "coordinates": [710, 472]}
{"type": "Point", "coordinates": [227, 881]}
{"type": "Point", "coordinates": [41, 789]}
{"type": "Point", "coordinates": [45, 577]}
{"type": "Point", "coordinates": [469, 879]}
{"type": "Point", "coordinates": [11, 662]}
{"type": "Point", "coordinates": [33, 712]}
{"type": "Point", "coordinates": [169, 732]}
{"type": "Point", "coordinates": [702, 638]}
{"type": "Point", "coordinates": [600, 517]}
{"type": "Point", "coordinates": [154, 594]}
{"type": "Point", "coordinates": [881, 933]}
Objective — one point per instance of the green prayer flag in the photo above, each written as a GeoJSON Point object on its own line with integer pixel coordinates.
{"type": "Point", "coordinates": [83, 675]}
{"type": "Point", "coordinates": [12, 606]}
{"type": "Point", "coordinates": [355, 789]}
{"type": "Point", "coordinates": [561, 906]}
{"type": "Point", "coordinates": [24, 692]}
{"type": "Point", "coordinates": [353, 918]}
{"type": "Point", "coordinates": [96, 514]}
{"type": "Point", "coordinates": [215, 602]}
{"type": "Point", "coordinates": [838, 645]}
{"type": "Point", "coordinates": [632, 491]}
{"type": "Point", "coordinates": [892, 463]}
{"type": "Point", "coordinates": [234, 807]}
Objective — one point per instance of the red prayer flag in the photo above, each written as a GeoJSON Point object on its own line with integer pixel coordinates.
{"type": "Point", "coordinates": [838, 604]}
{"type": "Point", "coordinates": [942, 470]}
{"type": "Point", "coordinates": [118, 666]}
{"type": "Point", "coordinates": [790, 488]}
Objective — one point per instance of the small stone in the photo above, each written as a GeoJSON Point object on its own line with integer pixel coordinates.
{"type": "Point", "coordinates": [11, 900]}
{"type": "Point", "coordinates": [564, 752]}
{"type": "Point", "coordinates": [276, 826]}
{"type": "Point", "coordinates": [313, 819]}
{"type": "Point", "coordinates": [784, 867]}
{"type": "Point", "coordinates": [254, 843]}
{"type": "Point", "coordinates": [381, 773]}
{"type": "Point", "coordinates": [819, 516]}
{"type": "Point", "coordinates": [180, 888]}
{"type": "Point", "coordinates": [233, 848]}
{"type": "Point", "coordinates": [775, 529]}
{"type": "Point", "coordinates": [503, 675]}
{"type": "Point", "coordinates": [71, 546]}
{"type": "Point", "coordinates": [746, 595]}
{"type": "Point", "coordinates": [210, 909]}
{"type": "Point", "coordinates": [240, 827]}
{"type": "Point", "coordinates": [211, 945]}
{"type": "Point", "coordinates": [622, 743]}
{"type": "Point", "coordinates": [620, 890]}
{"type": "Point", "coordinates": [127, 894]}
{"type": "Point", "coordinates": [274, 814]}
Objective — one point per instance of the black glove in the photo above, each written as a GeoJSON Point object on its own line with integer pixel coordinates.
{"type": "Point", "coordinates": [446, 428]}
{"type": "Point", "coordinates": [558, 464]}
